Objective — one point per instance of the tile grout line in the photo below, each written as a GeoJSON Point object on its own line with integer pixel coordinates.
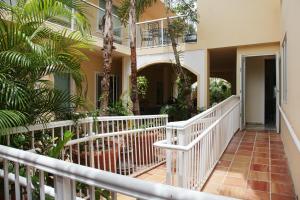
{"type": "Point", "coordinates": [249, 169]}
{"type": "Point", "coordinates": [270, 163]}
{"type": "Point", "coordinates": [234, 155]}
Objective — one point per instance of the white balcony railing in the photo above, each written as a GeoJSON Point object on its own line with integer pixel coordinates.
{"type": "Point", "coordinates": [29, 176]}
{"type": "Point", "coordinates": [95, 16]}
{"type": "Point", "coordinates": [195, 146]}
{"type": "Point", "coordinates": [122, 144]}
{"type": "Point", "coordinates": [154, 33]}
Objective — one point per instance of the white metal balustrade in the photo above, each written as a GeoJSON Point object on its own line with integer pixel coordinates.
{"type": "Point", "coordinates": [195, 146]}
{"type": "Point", "coordinates": [122, 144]}
{"type": "Point", "coordinates": [28, 175]}
{"type": "Point", "coordinates": [154, 33]}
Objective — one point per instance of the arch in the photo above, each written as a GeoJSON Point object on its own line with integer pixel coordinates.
{"type": "Point", "coordinates": [140, 68]}
{"type": "Point", "coordinates": [162, 86]}
{"type": "Point", "coordinates": [190, 60]}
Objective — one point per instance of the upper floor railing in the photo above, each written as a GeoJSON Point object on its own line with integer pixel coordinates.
{"type": "Point", "coordinates": [121, 144]}
{"type": "Point", "coordinates": [195, 146]}
{"type": "Point", "coordinates": [95, 15]}
{"type": "Point", "coordinates": [29, 176]}
{"type": "Point", "coordinates": [154, 33]}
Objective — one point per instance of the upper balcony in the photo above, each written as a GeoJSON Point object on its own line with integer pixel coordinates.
{"type": "Point", "coordinates": [154, 33]}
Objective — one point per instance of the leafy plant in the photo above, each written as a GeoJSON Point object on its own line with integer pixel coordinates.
{"type": "Point", "coordinates": [143, 85]}
{"type": "Point", "coordinates": [177, 110]}
{"type": "Point", "coordinates": [219, 90]}
{"type": "Point", "coordinates": [118, 109]}
{"type": "Point", "coordinates": [55, 151]}
{"type": "Point", "coordinates": [30, 51]}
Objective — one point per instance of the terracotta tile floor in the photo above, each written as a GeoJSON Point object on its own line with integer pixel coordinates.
{"type": "Point", "coordinates": [254, 166]}
{"type": "Point", "coordinates": [157, 175]}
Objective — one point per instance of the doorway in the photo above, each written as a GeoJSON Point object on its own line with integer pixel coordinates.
{"type": "Point", "coordinates": [259, 92]}
{"type": "Point", "coordinates": [270, 95]}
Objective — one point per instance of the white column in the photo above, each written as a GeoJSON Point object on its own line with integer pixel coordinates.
{"type": "Point", "coordinates": [126, 71]}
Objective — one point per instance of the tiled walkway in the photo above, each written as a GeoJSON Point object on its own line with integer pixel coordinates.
{"type": "Point", "coordinates": [157, 175]}
{"type": "Point", "coordinates": [254, 166]}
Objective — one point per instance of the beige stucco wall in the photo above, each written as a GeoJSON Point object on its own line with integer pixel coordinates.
{"type": "Point", "coordinates": [291, 16]}
{"type": "Point", "coordinates": [95, 65]}
{"type": "Point", "coordinates": [238, 22]}
{"type": "Point", "coordinates": [255, 90]}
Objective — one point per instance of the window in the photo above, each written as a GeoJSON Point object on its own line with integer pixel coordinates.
{"type": "Point", "coordinates": [113, 91]}
{"type": "Point", "coordinates": [284, 69]}
{"type": "Point", "coordinates": [116, 21]}
{"type": "Point", "coordinates": [62, 82]}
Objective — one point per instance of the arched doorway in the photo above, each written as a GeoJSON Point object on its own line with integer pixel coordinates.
{"type": "Point", "coordinates": [162, 86]}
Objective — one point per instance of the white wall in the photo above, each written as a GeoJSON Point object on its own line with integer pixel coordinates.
{"type": "Point", "coordinates": [291, 16]}
{"type": "Point", "coordinates": [255, 90]}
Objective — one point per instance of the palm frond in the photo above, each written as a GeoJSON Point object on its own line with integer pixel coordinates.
{"type": "Point", "coordinates": [9, 119]}
{"type": "Point", "coordinates": [141, 5]}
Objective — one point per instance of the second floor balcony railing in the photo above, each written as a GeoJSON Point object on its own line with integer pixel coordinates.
{"type": "Point", "coordinates": [154, 33]}
{"type": "Point", "coordinates": [95, 16]}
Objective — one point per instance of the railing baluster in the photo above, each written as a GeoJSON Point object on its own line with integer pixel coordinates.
{"type": "Point", "coordinates": [63, 188]}
{"type": "Point", "coordinates": [17, 181]}
{"type": "Point", "coordinates": [42, 185]}
{"type": "Point", "coordinates": [28, 188]}
{"type": "Point", "coordinates": [6, 181]}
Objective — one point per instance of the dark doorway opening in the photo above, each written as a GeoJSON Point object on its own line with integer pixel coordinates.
{"type": "Point", "coordinates": [270, 95]}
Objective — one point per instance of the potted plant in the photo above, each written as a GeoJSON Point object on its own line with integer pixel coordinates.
{"type": "Point", "coordinates": [143, 147]}
{"type": "Point", "coordinates": [105, 156]}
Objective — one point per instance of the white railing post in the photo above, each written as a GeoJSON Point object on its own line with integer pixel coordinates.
{"type": "Point", "coordinates": [181, 171]}
{"type": "Point", "coordinates": [6, 182]}
{"type": "Point", "coordinates": [162, 32]}
{"type": "Point", "coordinates": [169, 158]}
{"type": "Point", "coordinates": [17, 181]}
{"type": "Point", "coordinates": [28, 188]}
{"type": "Point", "coordinates": [63, 188]}
{"type": "Point", "coordinates": [91, 157]}
{"type": "Point", "coordinates": [42, 185]}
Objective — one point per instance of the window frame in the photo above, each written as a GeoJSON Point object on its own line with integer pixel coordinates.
{"type": "Point", "coordinates": [284, 64]}
{"type": "Point", "coordinates": [114, 84]}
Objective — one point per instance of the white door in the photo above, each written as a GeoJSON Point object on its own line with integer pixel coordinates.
{"type": "Point", "coordinates": [243, 92]}
{"type": "Point", "coordinates": [277, 92]}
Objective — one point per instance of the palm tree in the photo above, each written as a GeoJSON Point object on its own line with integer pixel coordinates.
{"type": "Point", "coordinates": [107, 56]}
{"type": "Point", "coordinates": [177, 28]}
{"type": "Point", "coordinates": [132, 10]}
{"type": "Point", "coordinates": [30, 51]}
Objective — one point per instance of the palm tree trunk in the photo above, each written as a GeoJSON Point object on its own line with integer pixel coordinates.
{"type": "Point", "coordinates": [107, 57]}
{"type": "Point", "coordinates": [134, 88]}
{"type": "Point", "coordinates": [178, 67]}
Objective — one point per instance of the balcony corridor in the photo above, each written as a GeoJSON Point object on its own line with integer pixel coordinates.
{"type": "Point", "coordinates": [254, 166]}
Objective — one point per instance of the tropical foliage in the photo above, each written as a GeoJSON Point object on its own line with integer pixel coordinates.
{"type": "Point", "coordinates": [219, 90]}
{"type": "Point", "coordinates": [177, 28]}
{"type": "Point", "coordinates": [31, 52]}
{"type": "Point", "coordinates": [143, 85]}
